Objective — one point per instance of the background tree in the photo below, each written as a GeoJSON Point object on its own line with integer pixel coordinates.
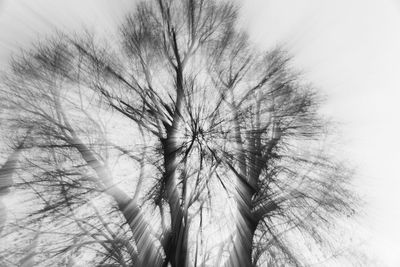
{"type": "Point", "coordinates": [177, 118]}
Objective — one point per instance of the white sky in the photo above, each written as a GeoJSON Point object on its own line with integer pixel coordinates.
{"type": "Point", "coordinates": [349, 48]}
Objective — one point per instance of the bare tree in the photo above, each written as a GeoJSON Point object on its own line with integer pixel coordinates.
{"type": "Point", "coordinates": [213, 134]}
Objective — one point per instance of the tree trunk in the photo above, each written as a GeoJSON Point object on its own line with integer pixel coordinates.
{"type": "Point", "coordinates": [6, 181]}
{"type": "Point", "coordinates": [177, 250]}
{"type": "Point", "coordinates": [148, 252]}
{"type": "Point", "coordinates": [246, 225]}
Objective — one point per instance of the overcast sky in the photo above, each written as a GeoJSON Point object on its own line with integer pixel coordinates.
{"type": "Point", "coordinates": [350, 49]}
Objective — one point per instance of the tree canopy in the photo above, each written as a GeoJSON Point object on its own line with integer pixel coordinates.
{"type": "Point", "coordinates": [175, 143]}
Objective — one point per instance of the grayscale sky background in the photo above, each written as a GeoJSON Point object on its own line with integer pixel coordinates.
{"type": "Point", "coordinates": [350, 49]}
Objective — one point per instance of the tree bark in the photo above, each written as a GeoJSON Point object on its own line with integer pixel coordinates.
{"type": "Point", "coordinates": [177, 250]}
{"type": "Point", "coordinates": [246, 225]}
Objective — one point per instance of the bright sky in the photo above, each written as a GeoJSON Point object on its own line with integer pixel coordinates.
{"type": "Point", "coordinates": [349, 48]}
